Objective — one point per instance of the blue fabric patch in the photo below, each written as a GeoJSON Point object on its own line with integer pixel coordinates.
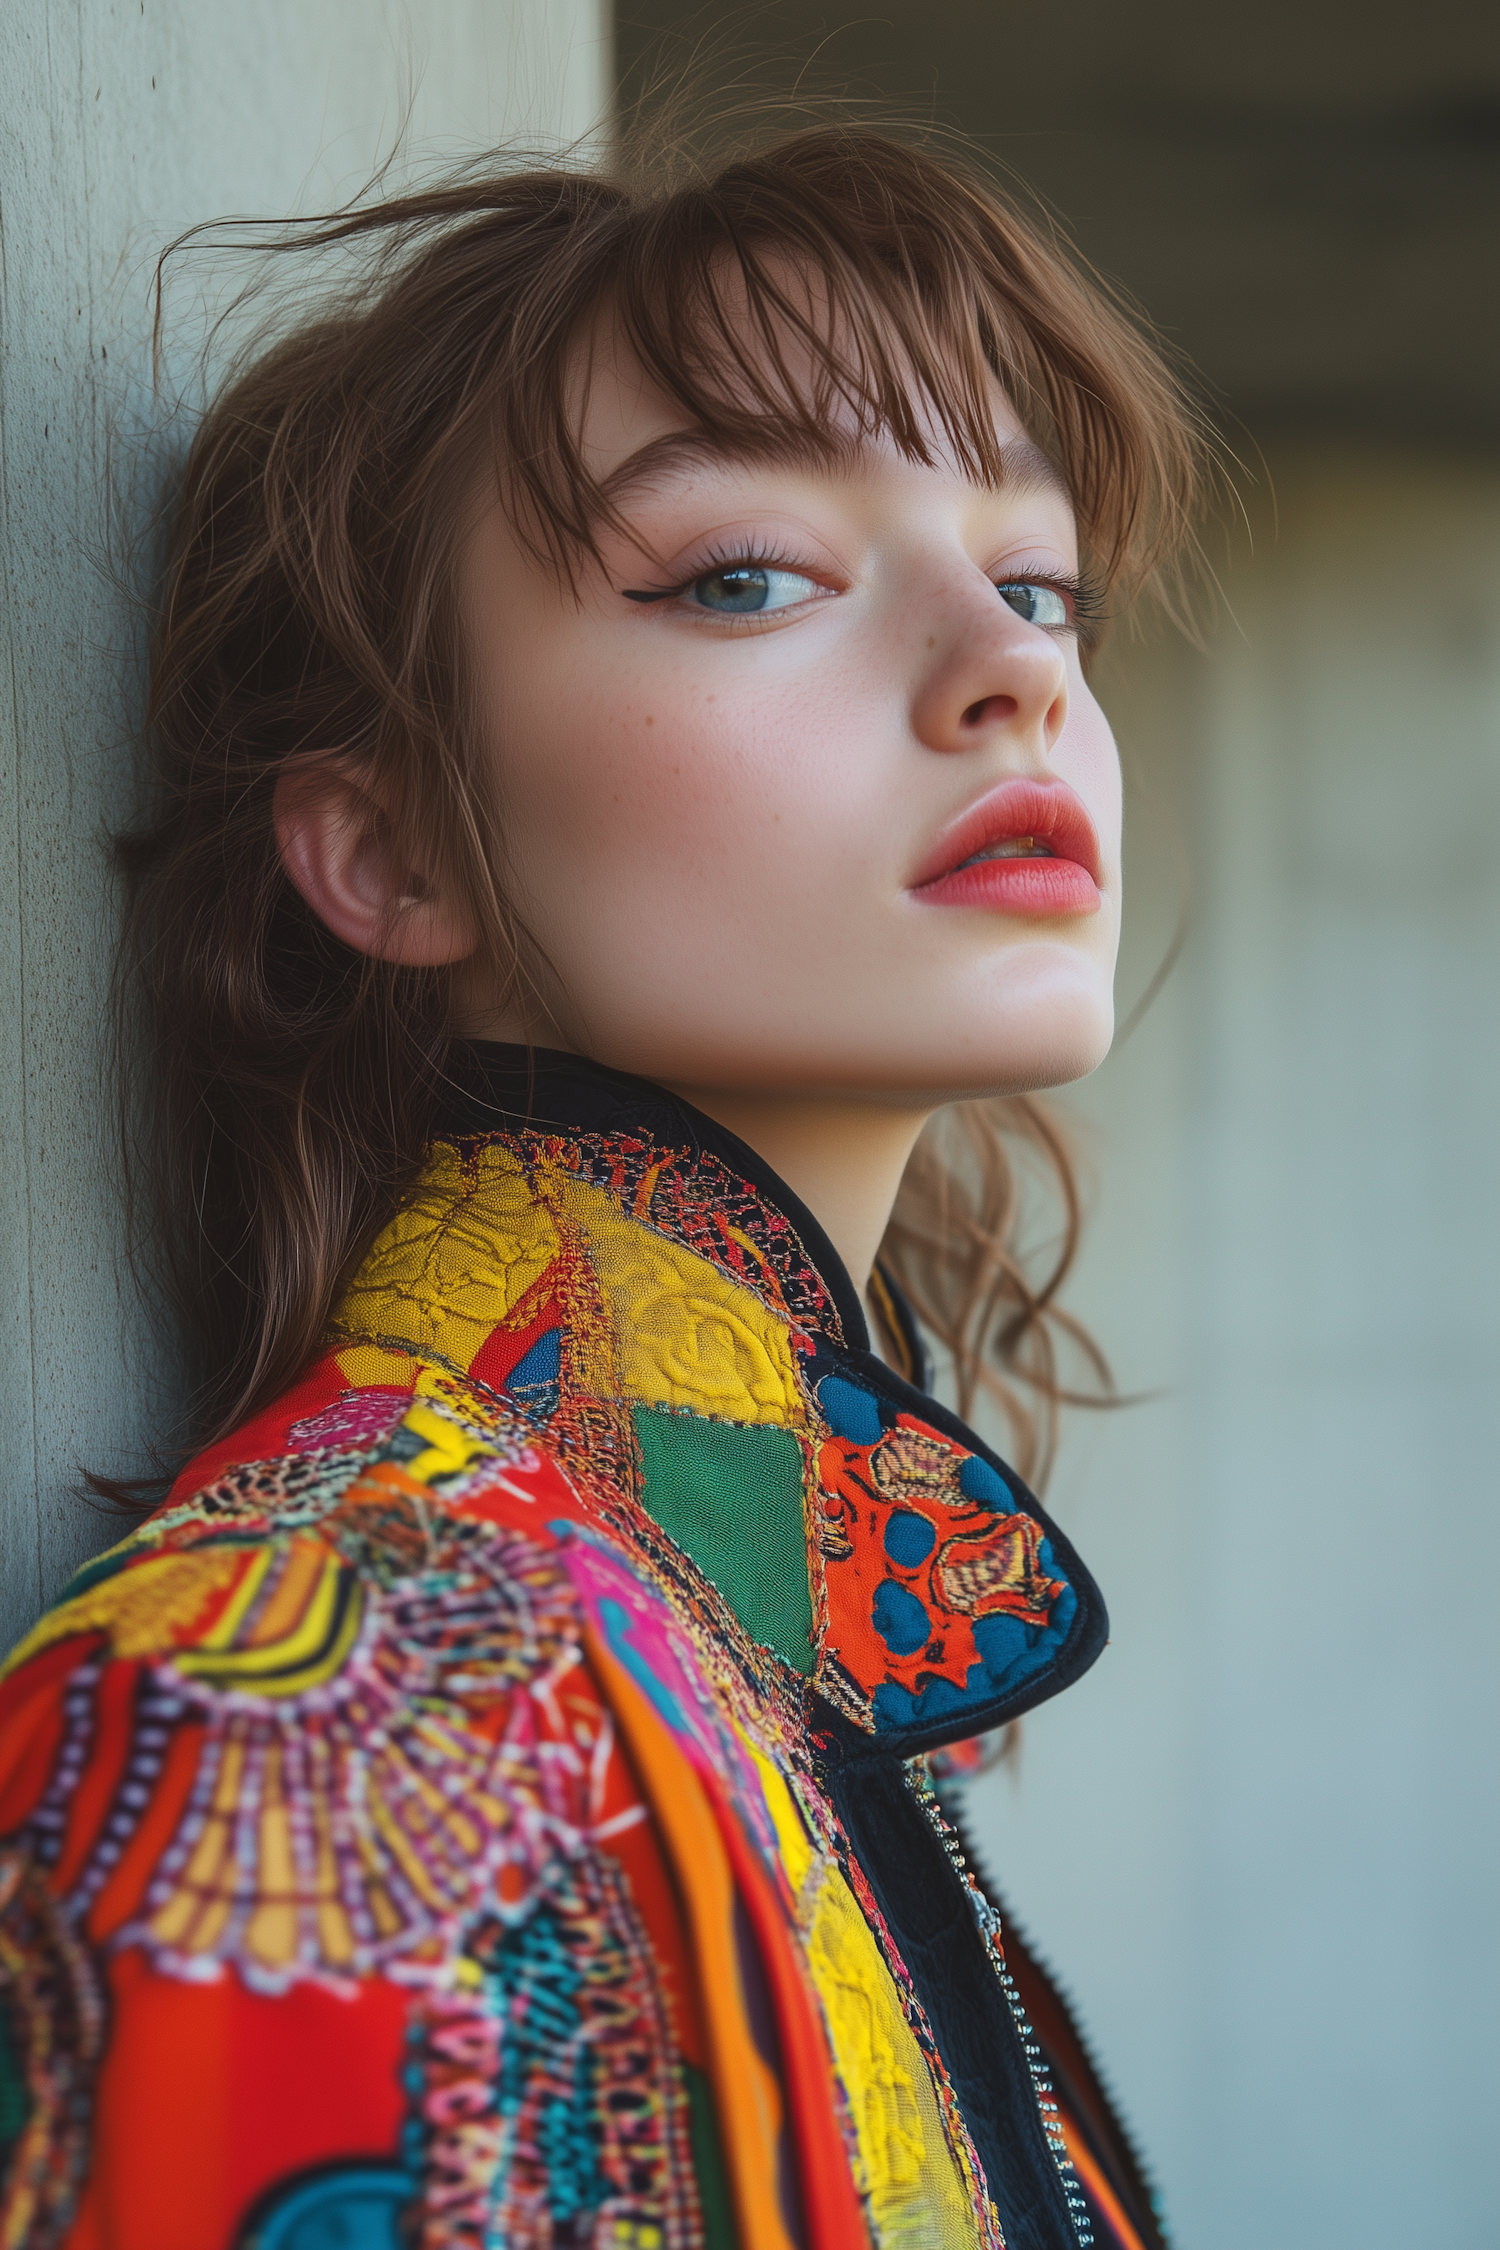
{"type": "Point", "coordinates": [348, 2207]}
{"type": "Point", "coordinates": [978, 1481]}
{"type": "Point", "coordinates": [542, 1364]}
{"type": "Point", "coordinates": [850, 1412]}
{"type": "Point", "coordinates": [1010, 1652]}
{"type": "Point", "coordinates": [909, 1538]}
{"type": "Point", "coordinates": [900, 1619]}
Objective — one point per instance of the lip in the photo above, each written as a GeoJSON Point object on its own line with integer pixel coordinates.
{"type": "Point", "coordinates": [1065, 881]}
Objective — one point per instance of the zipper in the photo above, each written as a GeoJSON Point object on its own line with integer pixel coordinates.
{"type": "Point", "coordinates": [919, 1781]}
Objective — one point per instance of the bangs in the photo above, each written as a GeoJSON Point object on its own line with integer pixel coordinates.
{"type": "Point", "coordinates": [840, 288]}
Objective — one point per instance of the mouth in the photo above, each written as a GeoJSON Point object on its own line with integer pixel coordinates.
{"type": "Point", "coordinates": [1027, 847]}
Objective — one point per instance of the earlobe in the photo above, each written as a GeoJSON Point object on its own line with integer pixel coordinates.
{"type": "Point", "coordinates": [340, 851]}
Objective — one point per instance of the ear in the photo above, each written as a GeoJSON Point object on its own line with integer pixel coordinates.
{"type": "Point", "coordinates": [340, 850]}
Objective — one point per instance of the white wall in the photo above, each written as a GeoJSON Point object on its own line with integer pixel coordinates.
{"type": "Point", "coordinates": [124, 121]}
{"type": "Point", "coordinates": [1262, 1840]}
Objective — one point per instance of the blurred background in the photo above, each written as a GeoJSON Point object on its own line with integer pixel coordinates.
{"type": "Point", "coordinates": [1261, 1840]}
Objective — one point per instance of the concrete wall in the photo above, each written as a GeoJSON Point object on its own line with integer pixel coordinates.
{"type": "Point", "coordinates": [123, 122]}
{"type": "Point", "coordinates": [1262, 1839]}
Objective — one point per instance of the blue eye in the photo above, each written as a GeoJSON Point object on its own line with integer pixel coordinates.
{"type": "Point", "coordinates": [1038, 605]}
{"type": "Point", "coordinates": [745, 588]}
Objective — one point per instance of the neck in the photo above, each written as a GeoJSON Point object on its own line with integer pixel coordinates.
{"type": "Point", "coordinates": [843, 1158]}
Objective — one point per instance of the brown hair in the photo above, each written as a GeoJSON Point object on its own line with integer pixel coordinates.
{"type": "Point", "coordinates": [310, 604]}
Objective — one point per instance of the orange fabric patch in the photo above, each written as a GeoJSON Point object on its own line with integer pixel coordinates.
{"type": "Point", "coordinates": [915, 1564]}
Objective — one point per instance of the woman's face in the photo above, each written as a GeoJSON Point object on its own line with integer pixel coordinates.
{"type": "Point", "coordinates": [805, 790]}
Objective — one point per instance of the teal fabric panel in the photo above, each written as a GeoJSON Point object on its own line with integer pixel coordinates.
{"type": "Point", "coordinates": [731, 1496]}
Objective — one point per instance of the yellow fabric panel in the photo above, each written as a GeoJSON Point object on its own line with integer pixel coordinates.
{"type": "Point", "coordinates": [687, 1335]}
{"type": "Point", "coordinates": [453, 1261]}
{"type": "Point", "coordinates": [366, 1366]}
{"type": "Point", "coordinates": [148, 1608]}
{"type": "Point", "coordinates": [682, 1333]}
{"type": "Point", "coordinates": [917, 2195]}
{"type": "Point", "coordinates": [313, 1645]}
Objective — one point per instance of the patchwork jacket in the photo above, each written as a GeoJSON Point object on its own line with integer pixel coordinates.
{"type": "Point", "coordinates": [491, 1802]}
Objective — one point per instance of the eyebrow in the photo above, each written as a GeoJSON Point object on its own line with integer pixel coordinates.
{"type": "Point", "coordinates": [1025, 468]}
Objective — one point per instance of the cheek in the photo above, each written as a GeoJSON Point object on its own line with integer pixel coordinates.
{"type": "Point", "coordinates": [635, 792]}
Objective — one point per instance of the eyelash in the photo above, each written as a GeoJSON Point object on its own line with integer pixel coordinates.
{"type": "Point", "coordinates": [1085, 596]}
{"type": "Point", "coordinates": [728, 559]}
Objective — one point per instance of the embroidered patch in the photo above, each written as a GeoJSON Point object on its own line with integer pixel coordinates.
{"type": "Point", "coordinates": [941, 1593]}
{"type": "Point", "coordinates": [732, 1498]}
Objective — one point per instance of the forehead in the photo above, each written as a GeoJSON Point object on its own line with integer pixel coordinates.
{"type": "Point", "coordinates": [775, 403]}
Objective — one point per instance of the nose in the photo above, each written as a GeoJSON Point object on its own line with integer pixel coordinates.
{"type": "Point", "coordinates": [988, 672]}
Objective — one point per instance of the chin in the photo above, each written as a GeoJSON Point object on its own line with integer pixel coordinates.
{"type": "Point", "coordinates": [1010, 1066]}
{"type": "Point", "coordinates": [1049, 1021]}
{"type": "Point", "coordinates": [1060, 1063]}
{"type": "Point", "coordinates": [961, 1060]}
{"type": "Point", "coordinates": [1038, 1032]}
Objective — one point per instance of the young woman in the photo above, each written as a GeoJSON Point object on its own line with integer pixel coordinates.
{"type": "Point", "coordinates": [626, 763]}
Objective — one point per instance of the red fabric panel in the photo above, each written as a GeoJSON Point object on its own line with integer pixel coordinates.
{"type": "Point", "coordinates": [31, 1724]}
{"type": "Point", "coordinates": [211, 2093]}
{"type": "Point", "coordinates": [113, 1714]}
{"type": "Point", "coordinates": [266, 1436]}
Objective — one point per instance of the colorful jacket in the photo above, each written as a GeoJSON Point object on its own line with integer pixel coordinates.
{"type": "Point", "coordinates": [488, 1804]}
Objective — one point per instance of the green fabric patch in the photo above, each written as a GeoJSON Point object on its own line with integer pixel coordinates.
{"type": "Point", "coordinates": [15, 2099]}
{"type": "Point", "coordinates": [730, 1494]}
{"type": "Point", "coordinates": [712, 2172]}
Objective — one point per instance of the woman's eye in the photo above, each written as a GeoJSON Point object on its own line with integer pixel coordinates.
{"type": "Point", "coordinates": [1039, 605]}
{"type": "Point", "coordinates": [746, 588]}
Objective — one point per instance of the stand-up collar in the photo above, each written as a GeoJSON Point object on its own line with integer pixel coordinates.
{"type": "Point", "coordinates": [678, 1328]}
{"type": "Point", "coordinates": [493, 1087]}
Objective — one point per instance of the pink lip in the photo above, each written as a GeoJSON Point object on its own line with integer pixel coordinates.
{"type": "Point", "coordinates": [1065, 882]}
